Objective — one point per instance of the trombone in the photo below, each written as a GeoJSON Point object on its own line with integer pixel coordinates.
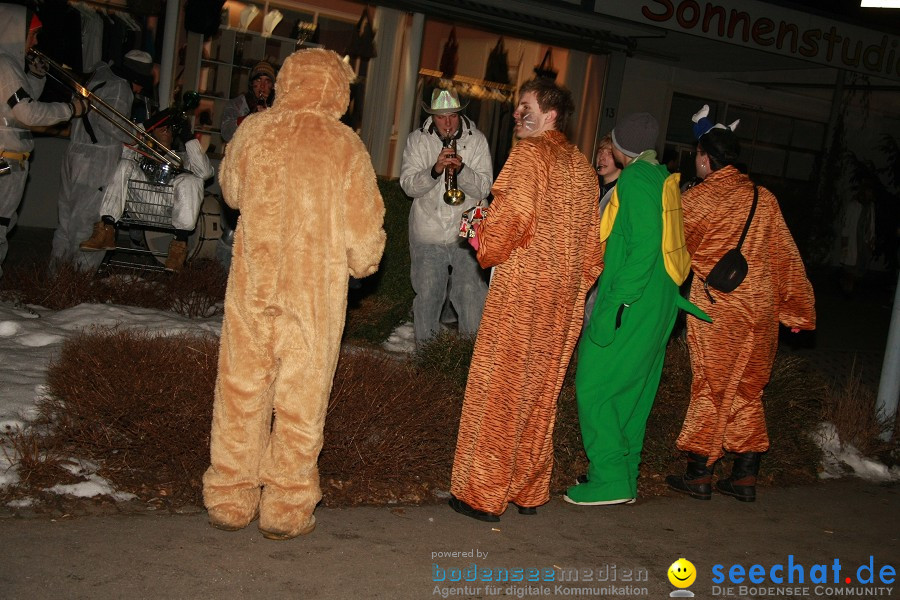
{"type": "Point", "coordinates": [140, 137]}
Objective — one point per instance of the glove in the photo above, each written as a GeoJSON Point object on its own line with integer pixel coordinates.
{"type": "Point", "coordinates": [80, 106]}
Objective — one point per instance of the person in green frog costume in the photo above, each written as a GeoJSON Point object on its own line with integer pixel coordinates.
{"type": "Point", "coordinates": [620, 357]}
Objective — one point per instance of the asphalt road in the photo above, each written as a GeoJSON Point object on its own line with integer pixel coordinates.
{"type": "Point", "coordinates": [408, 552]}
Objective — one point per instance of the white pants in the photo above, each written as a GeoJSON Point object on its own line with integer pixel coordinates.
{"type": "Point", "coordinates": [188, 197]}
{"type": "Point", "coordinates": [12, 186]}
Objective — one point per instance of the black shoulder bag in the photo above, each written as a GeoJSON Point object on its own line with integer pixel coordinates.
{"type": "Point", "coordinates": [731, 269]}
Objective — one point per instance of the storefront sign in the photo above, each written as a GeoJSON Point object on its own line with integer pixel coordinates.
{"type": "Point", "coordinates": [771, 29]}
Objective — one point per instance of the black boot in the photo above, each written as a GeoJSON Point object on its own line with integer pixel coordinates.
{"type": "Point", "coordinates": [742, 482]}
{"type": "Point", "coordinates": [470, 511]}
{"type": "Point", "coordinates": [697, 479]}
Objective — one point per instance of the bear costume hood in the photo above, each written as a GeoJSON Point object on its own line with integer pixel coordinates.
{"type": "Point", "coordinates": [314, 80]}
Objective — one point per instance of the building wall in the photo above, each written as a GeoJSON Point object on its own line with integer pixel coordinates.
{"type": "Point", "coordinates": [648, 86]}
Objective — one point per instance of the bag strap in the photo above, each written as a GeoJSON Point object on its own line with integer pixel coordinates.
{"type": "Point", "coordinates": [750, 218]}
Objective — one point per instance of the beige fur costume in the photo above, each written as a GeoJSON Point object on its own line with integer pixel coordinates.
{"type": "Point", "coordinates": [311, 216]}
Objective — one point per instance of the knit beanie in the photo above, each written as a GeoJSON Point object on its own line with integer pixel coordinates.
{"type": "Point", "coordinates": [262, 69]}
{"type": "Point", "coordinates": [635, 133]}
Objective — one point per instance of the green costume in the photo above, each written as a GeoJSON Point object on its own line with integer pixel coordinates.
{"type": "Point", "coordinates": [620, 358]}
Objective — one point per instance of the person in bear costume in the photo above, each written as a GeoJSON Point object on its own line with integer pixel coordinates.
{"type": "Point", "coordinates": [311, 217]}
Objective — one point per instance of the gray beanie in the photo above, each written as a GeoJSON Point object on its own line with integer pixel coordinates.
{"type": "Point", "coordinates": [635, 133]}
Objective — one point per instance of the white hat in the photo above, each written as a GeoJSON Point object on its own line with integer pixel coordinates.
{"type": "Point", "coordinates": [444, 102]}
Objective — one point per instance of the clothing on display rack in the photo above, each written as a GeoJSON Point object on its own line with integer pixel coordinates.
{"type": "Point", "coordinates": [247, 16]}
{"type": "Point", "coordinates": [91, 35]}
{"type": "Point", "coordinates": [270, 21]}
{"type": "Point", "coordinates": [495, 118]}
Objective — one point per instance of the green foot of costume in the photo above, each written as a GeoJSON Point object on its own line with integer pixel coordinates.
{"type": "Point", "coordinates": [600, 494]}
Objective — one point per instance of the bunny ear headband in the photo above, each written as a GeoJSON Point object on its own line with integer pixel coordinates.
{"type": "Point", "coordinates": [702, 123]}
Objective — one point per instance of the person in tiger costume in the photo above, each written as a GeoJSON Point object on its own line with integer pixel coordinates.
{"type": "Point", "coordinates": [732, 358]}
{"type": "Point", "coordinates": [541, 236]}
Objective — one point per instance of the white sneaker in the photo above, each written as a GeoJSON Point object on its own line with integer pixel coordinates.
{"type": "Point", "coordinates": [600, 502]}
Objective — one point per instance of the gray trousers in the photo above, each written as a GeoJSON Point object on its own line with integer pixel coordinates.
{"type": "Point", "coordinates": [433, 265]}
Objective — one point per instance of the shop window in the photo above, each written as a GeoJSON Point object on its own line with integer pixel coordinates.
{"type": "Point", "coordinates": [773, 145]}
{"type": "Point", "coordinates": [335, 34]}
{"type": "Point", "coordinates": [800, 165]}
{"type": "Point", "coordinates": [747, 127]}
{"type": "Point", "coordinates": [808, 135]}
{"type": "Point", "coordinates": [291, 21]}
{"type": "Point", "coordinates": [767, 161]}
{"type": "Point", "coordinates": [773, 129]}
{"type": "Point", "coordinates": [681, 129]}
{"type": "Point", "coordinates": [746, 158]}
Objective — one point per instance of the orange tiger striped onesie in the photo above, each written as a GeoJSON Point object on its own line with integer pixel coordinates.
{"type": "Point", "coordinates": [541, 233]}
{"type": "Point", "coordinates": [732, 357]}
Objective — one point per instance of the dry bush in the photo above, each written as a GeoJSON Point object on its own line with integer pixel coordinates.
{"type": "Point", "coordinates": [40, 462]}
{"type": "Point", "coordinates": [196, 291]}
{"type": "Point", "coordinates": [139, 405]}
{"type": "Point", "coordinates": [660, 457]}
{"type": "Point", "coordinates": [793, 405]}
{"type": "Point", "coordinates": [569, 459]}
{"type": "Point", "coordinates": [851, 409]}
{"type": "Point", "coordinates": [33, 283]}
{"type": "Point", "coordinates": [448, 353]}
{"type": "Point", "coordinates": [389, 434]}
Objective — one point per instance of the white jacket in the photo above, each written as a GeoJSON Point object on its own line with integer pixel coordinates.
{"type": "Point", "coordinates": [27, 112]}
{"type": "Point", "coordinates": [431, 220]}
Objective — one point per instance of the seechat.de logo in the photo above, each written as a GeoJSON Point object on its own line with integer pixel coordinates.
{"type": "Point", "coordinates": [682, 575]}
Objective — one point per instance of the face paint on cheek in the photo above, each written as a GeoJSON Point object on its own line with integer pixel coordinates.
{"type": "Point", "coordinates": [528, 122]}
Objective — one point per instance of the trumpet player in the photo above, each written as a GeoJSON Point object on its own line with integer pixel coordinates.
{"type": "Point", "coordinates": [448, 150]}
{"type": "Point", "coordinates": [21, 83]}
{"type": "Point", "coordinates": [259, 97]}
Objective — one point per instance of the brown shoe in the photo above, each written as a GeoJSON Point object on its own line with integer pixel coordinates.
{"type": "Point", "coordinates": [103, 238]}
{"type": "Point", "coordinates": [177, 255]}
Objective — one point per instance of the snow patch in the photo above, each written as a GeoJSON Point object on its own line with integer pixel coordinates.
{"type": "Point", "coordinates": [94, 486]}
{"type": "Point", "coordinates": [403, 339]}
{"type": "Point", "coordinates": [839, 459]}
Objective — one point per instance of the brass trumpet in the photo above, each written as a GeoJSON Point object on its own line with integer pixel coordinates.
{"type": "Point", "coordinates": [122, 122]}
{"type": "Point", "coordinates": [452, 194]}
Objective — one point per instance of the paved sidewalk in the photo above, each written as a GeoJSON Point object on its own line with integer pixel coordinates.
{"type": "Point", "coordinates": [398, 553]}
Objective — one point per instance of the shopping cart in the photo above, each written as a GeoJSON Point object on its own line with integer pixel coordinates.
{"type": "Point", "coordinates": [148, 207]}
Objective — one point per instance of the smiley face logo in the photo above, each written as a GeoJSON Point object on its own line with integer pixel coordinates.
{"type": "Point", "coordinates": [682, 573]}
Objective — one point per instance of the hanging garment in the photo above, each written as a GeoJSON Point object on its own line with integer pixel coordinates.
{"type": "Point", "coordinates": [450, 56]}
